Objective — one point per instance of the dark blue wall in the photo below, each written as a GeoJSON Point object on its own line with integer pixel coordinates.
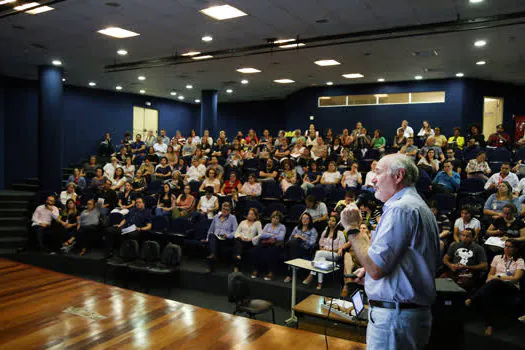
{"type": "Point", "coordinates": [258, 115]}
{"type": "Point", "coordinates": [301, 105]}
{"type": "Point", "coordinates": [2, 134]}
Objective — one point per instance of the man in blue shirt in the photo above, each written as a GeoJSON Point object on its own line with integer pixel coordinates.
{"type": "Point", "coordinates": [222, 229]}
{"type": "Point", "coordinates": [138, 149]}
{"type": "Point", "coordinates": [400, 260]}
{"type": "Point", "coordinates": [446, 180]}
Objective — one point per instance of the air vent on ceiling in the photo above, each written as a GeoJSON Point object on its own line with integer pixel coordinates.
{"type": "Point", "coordinates": [425, 53]}
{"type": "Point", "coordinates": [39, 46]}
{"type": "Point", "coordinates": [434, 70]}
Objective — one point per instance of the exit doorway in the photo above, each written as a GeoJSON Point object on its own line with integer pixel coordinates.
{"type": "Point", "coordinates": [144, 120]}
{"type": "Point", "coordinates": [492, 114]}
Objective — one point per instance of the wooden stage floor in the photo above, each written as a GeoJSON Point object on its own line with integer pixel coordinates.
{"type": "Point", "coordinates": [44, 309]}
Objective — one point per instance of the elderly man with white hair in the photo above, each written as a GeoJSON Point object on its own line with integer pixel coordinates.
{"type": "Point", "coordinates": [399, 261]}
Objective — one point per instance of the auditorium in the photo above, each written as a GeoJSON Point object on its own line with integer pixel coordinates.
{"type": "Point", "coordinates": [219, 174]}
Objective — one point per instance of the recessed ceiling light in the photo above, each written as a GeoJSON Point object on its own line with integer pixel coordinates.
{"type": "Point", "coordinates": [40, 9]}
{"type": "Point", "coordinates": [63, 80]}
{"type": "Point", "coordinates": [283, 81]}
{"type": "Point", "coordinates": [381, 80]}
{"type": "Point", "coordinates": [282, 41]}
{"type": "Point", "coordinates": [26, 6]}
{"type": "Point", "coordinates": [229, 91]}
{"type": "Point", "coordinates": [173, 93]}
{"type": "Point", "coordinates": [460, 75]}
{"type": "Point", "coordinates": [480, 43]}
{"type": "Point", "coordinates": [205, 57]}
{"type": "Point", "coordinates": [57, 62]}
{"type": "Point", "coordinates": [481, 63]}
{"type": "Point", "coordinates": [223, 12]}
{"type": "Point", "coordinates": [117, 32]}
{"type": "Point", "coordinates": [142, 91]}
{"type": "Point", "coordinates": [141, 77]}
{"type": "Point", "coordinates": [353, 75]}
{"type": "Point", "coordinates": [189, 86]}
{"type": "Point", "coordinates": [191, 53]}
{"type": "Point", "coordinates": [248, 70]}
{"type": "Point", "coordinates": [329, 83]}
{"type": "Point", "coordinates": [475, 1]}
{"type": "Point", "coordinates": [3, 2]}
{"type": "Point", "coordinates": [122, 52]}
{"type": "Point", "coordinates": [418, 77]}
{"type": "Point", "coordinates": [244, 81]}
{"type": "Point", "coordinates": [197, 101]}
{"type": "Point", "coordinates": [181, 97]}
{"type": "Point", "coordinates": [118, 87]}
{"type": "Point", "coordinates": [92, 83]}
{"type": "Point", "coordinates": [324, 63]}
{"type": "Point", "coordinates": [207, 38]}
{"type": "Point", "coordinates": [291, 46]}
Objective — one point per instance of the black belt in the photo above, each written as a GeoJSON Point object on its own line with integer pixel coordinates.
{"type": "Point", "coordinates": [392, 305]}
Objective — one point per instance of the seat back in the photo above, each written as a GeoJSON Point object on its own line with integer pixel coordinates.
{"type": "Point", "coordinates": [115, 218]}
{"type": "Point", "coordinates": [253, 204]}
{"type": "Point", "coordinates": [318, 192]}
{"type": "Point", "coordinates": [150, 251]}
{"type": "Point", "coordinates": [154, 186]}
{"type": "Point", "coordinates": [201, 229]}
{"type": "Point", "coordinates": [159, 224]}
{"type": "Point", "coordinates": [238, 288]}
{"type": "Point", "coordinates": [295, 212]}
{"type": "Point", "coordinates": [271, 191]}
{"type": "Point", "coordinates": [171, 255]}
{"type": "Point", "coordinates": [294, 194]}
{"type": "Point", "coordinates": [129, 250]}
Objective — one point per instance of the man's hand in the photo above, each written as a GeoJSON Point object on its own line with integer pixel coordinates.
{"type": "Point", "coordinates": [351, 217]}
{"type": "Point", "coordinates": [360, 279]}
{"type": "Point", "coordinates": [340, 252]}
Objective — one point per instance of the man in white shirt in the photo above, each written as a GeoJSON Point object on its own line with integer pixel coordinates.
{"type": "Point", "coordinates": [41, 222]}
{"type": "Point", "coordinates": [196, 171]}
{"type": "Point", "coordinates": [160, 147]}
{"type": "Point", "coordinates": [109, 169]}
{"type": "Point", "coordinates": [408, 131]}
{"type": "Point", "coordinates": [503, 175]}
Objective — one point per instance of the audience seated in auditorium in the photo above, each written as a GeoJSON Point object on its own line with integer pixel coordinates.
{"type": "Point", "coordinates": [181, 166]}
{"type": "Point", "coordinates": [352, 179]}
{"type": "Point", "coordinates": [440, 139]}
{"type": "Point", "coordinates": [288, 176]}
{"type": "Point", "coordinates": [368, 185]}
{"type": "Point", "coordinates": [474, 133]}
{"type": "Point", "coordinates": [409, 149]}
{"type": "Point", "coordinates": [331, 177]}
{"type": "Point", "coordinates": [122, 155]}
{"type": "Point", "coordinates": [129, 169]}
{"type": "Point", "coordinates": [68, 220]}
{"type": "Point", "coordinates": [311, 178]}
{"type": "Point", "coordinates": [41, 224]}
{"type": "Point", "coordinates": [214, 164]}
{"type": "Point", "coordinates": [503, 175]}
{"type": "Point", "coordinates": [211, 180]}
{"type": "Point", "coordinates": [331, 241]}
{"type": "Point", "coordinates": [507, 225]}
{"type": "Point", "coordinates": [176, 182]}
{"type": "Point", "coordinates": [317, 210]}
{"type": "Point", "coordinates": [378, 142]}
{"type": "Point", "coordinates": [162, 171]}
{"type": "Point", "coordinates": [430, 144]}
{"type": "Point", "coordinates": [88, 228]}
{"type": "Point", "coordinates": [456, 141]}
{"type": "Point", "coordinates": [208, 205]}
{"type": "Point", "coordinates": [447, 180]}
{"type": "Point", "coordinates": [172, 156]}
{"type": "Point", "coordinates": [185, 203]}
{"type": "Point", "coordinates": [445, 232]}
{"type": "Point", "coordinates": [126, 200]}
{"type": "Point", "coordinates": [246, 237]}
{"type": "Point", "coordinates": [89, 169]}
{"type": "Point", "coordinates": [138, 220]}
{"type": "Point", "coordinates": [232, 182]}
{"type": "Point", "coordinates": [500, 297]}
{"type": "Point", "coordinates": [493, 207]}
{"type": "Point", "coordinates": [426, 130]}
{"type": "Point", "coordinates": [346, 160]}
{"type": "Point", "coordinates": [99, 181]}
{"type": "Point", "coordinates": [269, 173]}
{"type": "Point", "coordinates": [266, 254]}
{"type": "Point", "coordinates": [399, 140]}
{"type": "Point", "coordinates": [77, 179]}
{"type": "Point", "coordinates": [109, 168]}
{"type": "Point", "coordinates": [466, 261]}
{"type": "Point", "coordinates": [106, 148]}
{"type": "Point", "coordinates": [68, 193]}
{"type": "Point", "coordinates": [478, 167]}
{"type": "Point", "coordinates": [152, 157]}
{"type": "Point", "coordinates": [500, 138]}
{"type": "Point", "coordinates": [139, 183]}
{"type": "Point", "coordinates": [222, 230]}
{"type": "Point", "coordinates": [118, 180]}
{"type": "Point", "coordinates": [251, 188]}
{"type": "Point", "coordinates": [340, 205]}
{"type": "Point", "coordinates": [429, 163]}
{"type": "Point", "coordinates": [370, 212]}
{"type": "Point", "coordinates": [196, 171]}
{"type": "Point", "coordinates": [166, 202]}
{"type": "Point", "coordinates": [407, 130]}
{"type": "Point", "coordinates": [298, 136]}
{"type": "Point", "coordinates": [165, 138]}
{"type": "Point", "coordinates": [302, 240]}
{"type": "Point", "coordinates": [457, 164]}
{"type": "Point", "coordinates": [126, 141]}
{"type": "Point", "coordinates": [106, 198]}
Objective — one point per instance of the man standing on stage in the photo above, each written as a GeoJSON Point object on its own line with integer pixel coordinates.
{"type": "Point", "coordinates": [400, 260]}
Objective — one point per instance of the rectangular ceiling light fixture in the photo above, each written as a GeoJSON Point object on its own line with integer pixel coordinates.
{"type": "Point", "coordinates": [284, 81]}
{"type": "Point", "coordinates": [205, 57]}
{"type": "Point", "coordinates": [40, 9]}
{"type": "Point", "coordinates": [223, 12]}
{"type": "Point", "coordinates": [191, 53]}
{"type": "Point", "coordinates": [324, 63]}
{"type": "Point", "coordinates": [3, 2]}
{"type": "Point", "coordinates": [282, 41]}
{"type": "Point", "coordinates": [248, 70]}
{"type": "Point", "coordinates": [353, 75]}
{"type": "Point", "coordinates": [291, 46]}
{"type": "Point", "coordinates": [118, 33]}
{"type": "Point", "coordinates": [26, 6]}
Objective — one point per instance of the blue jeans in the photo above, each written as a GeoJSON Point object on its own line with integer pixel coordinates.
{"type": "Point", "coordinates": [398, 329]}
{"type": "Point", "coordinates": [160, 212]}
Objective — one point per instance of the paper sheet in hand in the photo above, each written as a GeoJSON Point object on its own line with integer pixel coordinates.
{"type": "Point", "coordinates": [496, 242]}
{"type": "Point", "coordinates": [129, 229]}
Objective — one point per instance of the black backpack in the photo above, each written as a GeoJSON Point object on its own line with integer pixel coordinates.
{"type": "Point", "coordinates": [171, 255]}
{"type": "Point", "coordinates": [129, 250]}
{"type": "Point", "coordinates": [150, 251]}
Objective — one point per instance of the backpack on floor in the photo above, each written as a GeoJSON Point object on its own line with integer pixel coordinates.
{"type": "Point", "coordinates": [171, 255]}
{"type": "Point", "coordinates": [129, 249]}
{"type": "Point", "coordinates": [150, 251]}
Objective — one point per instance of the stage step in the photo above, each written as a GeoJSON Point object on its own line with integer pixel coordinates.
{"type": "Point", "coordinates": [12, 195]}
{"type": "Point", "coordinates": [13, 221]}
{"type": "Point", "coordinates": [8, 204]}
{"type": "Point", "coordinates": [12, 242]}
{"type": "Point", "coordinates": [33, 181]}
{"type": "Point", "coordinates": [12, 213]}
{"type": "Point", "coordinates": [25, 187]}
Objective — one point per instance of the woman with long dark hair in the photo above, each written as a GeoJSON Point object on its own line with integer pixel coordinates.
{"type": "Point", "coordinates": [302, 240]}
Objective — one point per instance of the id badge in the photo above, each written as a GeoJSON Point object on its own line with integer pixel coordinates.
{"type": "Point", "coordinates": [509, 273]}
